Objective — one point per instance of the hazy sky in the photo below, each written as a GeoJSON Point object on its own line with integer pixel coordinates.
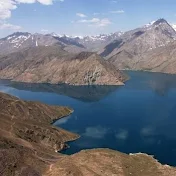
{"type": "Point", "coordinates": [81, 17]}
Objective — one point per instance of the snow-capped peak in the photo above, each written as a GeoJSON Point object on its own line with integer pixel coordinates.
{"type": "Point", "coordinates": [174, 26]}
{"type": "Point", "coordinates": [89, 37]}
{"type": "Point", "coordinates": [149, 24]}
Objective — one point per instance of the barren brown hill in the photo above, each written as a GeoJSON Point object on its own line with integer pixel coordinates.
{"type": "Point", "coordinates": [105, 162]}
{"type": "Point", "coordinates": [162, 59]}
{"type": "Point", "coordinates": [54, 65]}
{"type": "Point", "coordinates": [27, 140]}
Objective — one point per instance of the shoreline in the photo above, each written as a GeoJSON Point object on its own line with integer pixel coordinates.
{"type": "Point", "coordinates": [65, 144]}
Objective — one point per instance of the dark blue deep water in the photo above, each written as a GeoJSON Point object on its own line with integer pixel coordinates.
{"type": "Point", "coordinates": [137, 117]}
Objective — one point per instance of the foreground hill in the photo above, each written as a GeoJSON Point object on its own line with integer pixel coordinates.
{"type": "Point", "coordinates": [54, 65]}
{"type": "Point", "coordinates": [27, 140]}
{"type": "Point", "coordinates": [28, 146]}
{"type": "Point", "coordinates": [108, 162]}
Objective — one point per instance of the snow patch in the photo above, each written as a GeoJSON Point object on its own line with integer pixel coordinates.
{"type": "Point", "coordinates": [36, 43]}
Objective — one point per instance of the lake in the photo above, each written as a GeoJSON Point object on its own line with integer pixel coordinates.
{"type": "Point", "coordinates": [137, 117]}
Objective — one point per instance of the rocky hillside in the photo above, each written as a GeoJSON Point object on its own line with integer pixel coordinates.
{"type": "Point", "coordinates": [141, 40]}
{"type": "Point", "coordinates": [28, 145]}
{"type": "Point", "coordinates": [27, 140]}
{"type": "Point", "coordinates": [162, 59]}
{"type": "Point", "coordinates": [149, 48]}
{"type": "Point", "coordinates": [54, 65]}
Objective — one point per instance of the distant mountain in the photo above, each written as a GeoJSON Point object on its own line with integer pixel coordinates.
{"type": "Point", "coordinates": [95, 43]}
{"type": "Point", "coordinates": [53, 65]}
{"type": "Point", "coordinates": [127, 51]}
{"type": "Point", "coordinates": [90, 43]}
{"type": "Point", "coordinates": [140, 40]}
{"type": "Point", "coordinates": [162, 59]}
{"type": "Point", "coordinates": [21, 40]}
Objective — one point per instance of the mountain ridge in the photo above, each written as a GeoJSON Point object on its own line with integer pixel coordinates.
{"type": "Point", "coordinates": [73, 44]}
{"type": "Point", "coordinates": [55, 66]}
{"type": "Point", "coordinates": [129, 51]}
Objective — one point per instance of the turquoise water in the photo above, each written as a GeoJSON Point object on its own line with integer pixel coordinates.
{"type": "Point", "coordinates": [137, 117]}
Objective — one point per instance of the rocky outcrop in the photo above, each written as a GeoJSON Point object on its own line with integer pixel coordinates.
{"type": "Point", "coordinates": [55, 66]}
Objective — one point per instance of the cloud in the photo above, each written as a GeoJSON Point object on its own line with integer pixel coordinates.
{"type": "Point", "coordinates": [44, 30]}
{"type": "Point", "coordinates": [5, 89]}
{"type": "Point", "coordinates": [44, 2]}
{"type": "Point", "coordinates": [114, 1]}
{"type": "Point", "coordinates": [62, 121]}
{"type": "Point", "coordinates": [81, 15]}
{"type": "Point", "coordinates": [117, 11]}
{"type": "Point", "coordinates": [96, 22]}
{"type": "Point", "coordinates": [147, 131]}
{"type": "Point", "coordinates": [97, 132]}
{"type": "Point", "coordinates": [25, 1]}
{"type": "Point", "coordinates": [122, 134]}
{"type": "Point", "coordinates": [6, 6]}
{"type": "Point", "coordinates": [9, 26]}
{"type": "Point", "coordinates": [96, 13]}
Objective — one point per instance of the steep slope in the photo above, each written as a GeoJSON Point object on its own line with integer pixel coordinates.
{"type": "Point", "coordinates": [54, 65]}
{"type": "Point", "coordinates": [141, 40]}
{"type": "Point", "coordinates": [124, 52]}
{"type": "Point", "coordinates": [162, 59]}
{"type": "Point", "coordinates": [27, 140]}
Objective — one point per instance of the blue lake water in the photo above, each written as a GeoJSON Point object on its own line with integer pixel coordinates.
{"type": "Point", "coordinates": [137, 117]}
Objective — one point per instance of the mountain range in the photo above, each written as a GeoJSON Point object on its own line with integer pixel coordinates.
{"type": "Point", "coordinates": [52, 58]}
{"type": "Point", "coordinates": [140, 49]}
